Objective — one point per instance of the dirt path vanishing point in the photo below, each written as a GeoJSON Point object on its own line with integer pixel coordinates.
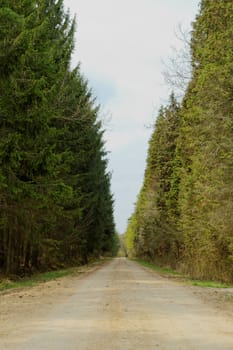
{"type": "Point", "coordinates": [120, 306]}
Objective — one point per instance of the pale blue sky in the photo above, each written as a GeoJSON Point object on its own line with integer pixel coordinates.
{"type": "Point", "coordinates": [121, 45]}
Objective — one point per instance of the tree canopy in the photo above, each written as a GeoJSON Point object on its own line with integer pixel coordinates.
{"type": "Point", "coordinates": [183, 215]}
{"type": "Point", "coordinates": [55, 197]}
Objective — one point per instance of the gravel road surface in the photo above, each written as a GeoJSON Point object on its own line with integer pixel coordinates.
{"type": "Point", "coordinates": [119, 306]}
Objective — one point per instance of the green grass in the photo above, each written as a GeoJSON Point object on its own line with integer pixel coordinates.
{"type": "Point", "coordinates": [184, 278]}
{"type": "Point", "coordinates": [163, 270]}
{"type": "Point", "coordinates": [36, 279]}
{"type": "Point", "coordinates": [209, 284]}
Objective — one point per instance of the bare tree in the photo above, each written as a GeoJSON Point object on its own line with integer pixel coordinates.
{"type": "Point", "coordinates": [178, 68]}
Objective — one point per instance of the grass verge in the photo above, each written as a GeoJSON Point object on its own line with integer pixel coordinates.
{"type": "Point", "coordinates": [172, 273]}
{"type": "Point", "coordinates": [163, 270]}
{"type": "Point", "coordinates": [6, 284]}
{"type": "Point", "coordinates": [209, 284]}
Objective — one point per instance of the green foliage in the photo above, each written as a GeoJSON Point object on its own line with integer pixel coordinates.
{"type": "Point", "coordinates": [122, 251]}
{"type": "Point", "coordinates": [166, 271]}
{"type": "Point", "coordinates": [15, 282]}
{"type": "Point", "coordinates": [56, 205]}
{"type": "Point", "coordinates": [130, 236]}
{"type": "Point", "coordinates": [183, 216]}
{"type": "Point", "coordinates": [152, 230]}
{"type": "Point", "coordinates": [206, 147]}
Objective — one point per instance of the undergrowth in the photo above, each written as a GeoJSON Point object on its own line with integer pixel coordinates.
{"type": "Point", "coordinates": [8, 283]}
{"type": "Point", "coordinates": [172, 273]}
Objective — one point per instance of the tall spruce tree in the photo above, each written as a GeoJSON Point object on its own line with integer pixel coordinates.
{"type": "Point", "coordinates": [155, 218]}
{"type": "Point", "coordinates": [51, 144]}
{"type": "Point", "coordinates": [185, 205]}
{"type": "Point", "coordinates": [206, 146]}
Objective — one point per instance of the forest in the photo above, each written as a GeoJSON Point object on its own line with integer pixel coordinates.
{"type": "Point", "coordinates": [56, 205]}
{"type": "Point", "coordinates": [183, 215]}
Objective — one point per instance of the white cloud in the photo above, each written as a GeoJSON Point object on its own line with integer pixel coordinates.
{"type": "Point", "coordinates": [118, 140]}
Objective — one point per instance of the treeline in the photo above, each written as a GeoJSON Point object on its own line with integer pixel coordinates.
{"type": "Point", "coordinates": [183, 216]}
{"type": "Point", "coordinates": [56, 207]}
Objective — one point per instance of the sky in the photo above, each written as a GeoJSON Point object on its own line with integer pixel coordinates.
{"type": "Point", "coordinates": [121, 45]}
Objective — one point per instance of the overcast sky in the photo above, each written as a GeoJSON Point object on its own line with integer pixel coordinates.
{"type": "Point", "coordinates": [121, 45]}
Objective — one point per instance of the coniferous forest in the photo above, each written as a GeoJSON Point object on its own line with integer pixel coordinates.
{"type": "Point", "coordinates": [183, 215]}
{"type": "Point", "coordinates": [56, 207]}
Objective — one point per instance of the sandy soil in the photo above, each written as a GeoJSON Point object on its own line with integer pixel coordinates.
{"type": "Point", "coordinates": [118, 306]}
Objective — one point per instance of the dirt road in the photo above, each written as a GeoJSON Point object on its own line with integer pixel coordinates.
{"type": "Point", "coordinates": [120, 306]}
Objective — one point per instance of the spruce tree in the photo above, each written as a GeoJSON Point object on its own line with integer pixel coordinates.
{"type": "Point", "coordinates": [52, 158]}
{"type": "Point", "coordinates": [206, 146]}
{"type": "Point", "coordinates": [155, 218]}
{"type": "Point", "coordinates": [183, 212]}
